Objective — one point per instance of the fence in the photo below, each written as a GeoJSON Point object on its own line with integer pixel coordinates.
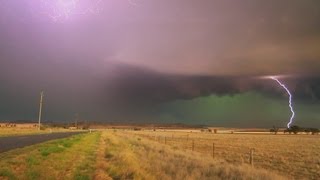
{"type": "Point", "coordinates": [237, 154]}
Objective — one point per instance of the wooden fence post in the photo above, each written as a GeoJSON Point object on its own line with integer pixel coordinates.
{"type": "Point", "coordinates": [251, 156]}
{"type": "Point", "coordinates": [192, 145]}
{"type": "Point", "coordinates": [212, 150]}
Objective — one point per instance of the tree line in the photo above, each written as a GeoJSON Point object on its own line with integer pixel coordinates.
{"type": "Point", "coordinates": [296, 130]}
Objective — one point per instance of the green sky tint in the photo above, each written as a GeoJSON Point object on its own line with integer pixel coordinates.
{"type": "Point", "coordinates": [251, 109]}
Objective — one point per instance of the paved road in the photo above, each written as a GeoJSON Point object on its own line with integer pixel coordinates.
{"type": "Point", "coordinates": [13, 142]}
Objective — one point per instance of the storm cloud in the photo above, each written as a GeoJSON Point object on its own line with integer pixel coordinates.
{"type": "Point", "coordinates": [129, 59]}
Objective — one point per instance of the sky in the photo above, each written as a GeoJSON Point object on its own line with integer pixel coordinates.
{"type": "Point", "coordinates": [161, 61]}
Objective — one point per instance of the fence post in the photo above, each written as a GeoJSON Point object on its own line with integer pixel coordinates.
{"type": "Point", "coordinates": [212, 150]}
{"type": "Point", "coordinates": [251, 156]}
{"type": "Point", "coordinates": [192, 145]}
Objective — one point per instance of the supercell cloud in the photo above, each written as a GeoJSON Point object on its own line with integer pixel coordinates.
{"type": "Point", "coordinates": [130, 62]}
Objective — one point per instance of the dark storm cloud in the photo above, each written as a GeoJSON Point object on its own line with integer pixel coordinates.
{"type": "Point", "coordinates": [122, 90]}
{"type": "Point", "coordinates": [144, 87]}
{"type": "Point", "coordinates": [131, 58]}
{"type": "Point", "coordinates": [227, 38]}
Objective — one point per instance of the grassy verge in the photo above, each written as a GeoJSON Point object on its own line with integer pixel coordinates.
{"type": "Point", "coordinates": [4, 132]}
{"type": "Point", "coordinates": [67, 158]}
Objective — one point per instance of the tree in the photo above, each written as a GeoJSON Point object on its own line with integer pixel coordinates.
{"type": "Point", "coordinates": [295, 129]}
{"type": "Point", "coordinates": [274, 130]}
{"type": "Point", "coordinates": [307, 130]}
{"type": "Point", "coordinates": [314, 131]}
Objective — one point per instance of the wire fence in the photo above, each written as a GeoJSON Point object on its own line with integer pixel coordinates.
{"type": "Point", "coordinates": [287, 165]}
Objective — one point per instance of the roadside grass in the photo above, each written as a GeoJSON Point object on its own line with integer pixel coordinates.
{"type": "Point", "coordinates": [85, 169]}
{"type": "Point", "coordinates": [122, 162]}
{"type": "Point", "coordinates": [59, 146]}
{"type": "Point", "coordinates": [4, 132]}
{"type": "Point", "coordinates": [5, 173]}
{"type": "Point", "coordinates": [101, 164]}
{"type": "Point", "coordinates": [68, 158]}
{"type": "Point", "coordinates": [132, 157]}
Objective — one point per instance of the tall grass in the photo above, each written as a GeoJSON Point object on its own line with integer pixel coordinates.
{"type": "Point", "coordinates": [132, 157]}
{"type": "Point", "coordinates": [290, 155]}
{"type": "Point", "coordinates": [14, 131]}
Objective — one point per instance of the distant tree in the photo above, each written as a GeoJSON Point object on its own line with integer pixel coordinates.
{"type": "Point", "coordinates": [307, 130]}
{"type": "Point", "coordinates": [286, 131]}
{"type": "Point", "coordinates": [274, 130]}
{"type": "Point", "coordinates": [137, 129]}
{"type": "Point", "coordinates": [314, 131]}
{"type": "Point", "coordinates": [295, 129]}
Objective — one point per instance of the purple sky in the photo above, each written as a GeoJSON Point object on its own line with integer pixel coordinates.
{"type": "Point", "coordinates": [154, 51]}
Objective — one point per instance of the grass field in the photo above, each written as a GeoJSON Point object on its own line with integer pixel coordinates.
{"type": "Point", "coordinates": [118, 155]}
{"type": "Point", "coordinates": [132, 157]}
{"type": "Point", "coordinates": [295, 156]}
{"type": "Point", "coordinates": [28, 131]}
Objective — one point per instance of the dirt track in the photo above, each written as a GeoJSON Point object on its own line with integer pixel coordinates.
{"type": "Point", "coordinates": [13, 142]}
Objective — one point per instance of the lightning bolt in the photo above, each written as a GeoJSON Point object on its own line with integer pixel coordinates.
{"type": "Point", "coordinates": [290, 99]}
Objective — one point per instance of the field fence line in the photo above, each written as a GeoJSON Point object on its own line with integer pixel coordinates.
{"type": "Point", "coordinates": [245, 154]}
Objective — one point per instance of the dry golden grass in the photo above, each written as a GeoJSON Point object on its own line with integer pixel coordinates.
{"type": "Point", "coordinates": [101, 163]}
{"type": "Point", "coordinates": [28, 131]}
{"type": "Point", "coordinates": [122, 154]}
{"type": "Point", "coordinates": [295, 156]}
{"type": "Point", "coordinates": [133, 157]}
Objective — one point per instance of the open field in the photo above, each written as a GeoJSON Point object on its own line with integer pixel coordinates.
{"type": "Point", "coordinates": [125, 154]}
{"type": "Point", "coordinates": [295, 156]}
{"type": "Point", "coordinates": [29, 131]}
{"type": "Point", "coordinates": [132, 157]}
{"type": "Point", "coordinates": [115, 154]}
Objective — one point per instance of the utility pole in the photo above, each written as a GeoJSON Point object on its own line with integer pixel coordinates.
{"type": "Point", "coordinates": [40, 109]}
{"type": "Point", "coordinates": [76, 120]}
